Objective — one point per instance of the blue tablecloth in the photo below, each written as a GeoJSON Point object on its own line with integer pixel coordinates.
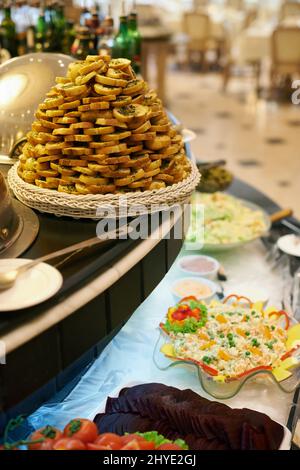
{"type": "Point", "coordinates": [128, 358]}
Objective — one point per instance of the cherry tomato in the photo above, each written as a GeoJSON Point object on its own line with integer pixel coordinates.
{"type": "Point", "coordinates": [69, 444]}
{"type": "Point", "coordinates": [168, 447]}
{"type": "Point", "coordinates": [82, 429]}
{"type": "Point", "coordinates": [91, 446]}
{"type": "Point", "coordinates": [109, 439]}
{"type": "Point", "coordinates": [49, 434]}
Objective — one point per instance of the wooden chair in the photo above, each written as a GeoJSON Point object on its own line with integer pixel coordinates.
{"type": "Point", "coordinates": [196, 26]}
{"type": "Point", "coordinates": [289, 9]}
{"type": "Point", "coordinates": [285, 53]}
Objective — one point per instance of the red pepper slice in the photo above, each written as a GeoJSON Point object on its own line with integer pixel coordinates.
{"type": "Point", "coordinates": [289, 353]}
{"type": "Point", "coordinates": [162, 327]}
{"type": "Point", "coordinates": [282, 313]}
{"type": "Point", "coordinates": [186, 299]}
{"type": "Point", "coordinates": [250, 371]}
{"type": "Point", "coordinates": [237, 297]}
{"type": "Point", "coordinates": [205, 367]}
{"type": "Point", "coordinates": [209, 370]}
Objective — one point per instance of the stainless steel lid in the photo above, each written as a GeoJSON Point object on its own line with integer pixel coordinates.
{"type": "Point", "coordinates": [24, 82]}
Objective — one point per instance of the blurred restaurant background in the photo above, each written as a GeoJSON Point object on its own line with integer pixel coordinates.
{"type": "Point", "coordinates": [227, 69]}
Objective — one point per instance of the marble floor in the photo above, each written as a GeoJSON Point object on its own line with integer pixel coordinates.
{"type": "Point", "coordinates": [259, 139]}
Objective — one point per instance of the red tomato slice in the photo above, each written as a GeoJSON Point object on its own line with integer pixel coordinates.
{"type": "Point", "coordinates": [69, 444]}
{"type": "Point", "coordinates": [91, 446]}
{"type": "Point", "coordinates": [109, 439]}
{"type": "Point", "coordinates": [143, 443]}
{"type": "Point", "coordinates": [195, 313]}
{"type": "Point", "coordinates": [82, 429]}
{"type": "Point", "coordinates": [168, 447]}
{"type": "Point", "coordinates": [132, 445]}
{"type": "Point", "coordinates": [146, 445]}
{"type": "Point", "coordinates": [130, 437]}
{"type": "Point", "coordinates": [179, 316]}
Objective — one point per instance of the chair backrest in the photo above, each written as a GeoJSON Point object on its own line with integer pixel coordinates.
{"type": "Point", "coordinates": [251, 16]}
{"type": "Point", "coordinates": [237, 4]}
{"type": "Point", "coordinates": [290, 9]}
{"type": "Point", "coordinates": [286, 46]}
{"type": "Point", "coordinates": [196, 25]}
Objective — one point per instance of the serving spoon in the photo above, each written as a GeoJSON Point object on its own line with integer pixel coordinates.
{"type": "Point", "coordinates": [8, 278]}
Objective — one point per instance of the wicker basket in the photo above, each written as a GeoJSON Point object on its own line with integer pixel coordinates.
{"type": "Point", "coordinates": [101, 206]}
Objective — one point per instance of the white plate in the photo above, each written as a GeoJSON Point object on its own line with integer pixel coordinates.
{"type": "Point", "coordinates": [287, 436]}
{"type": "Point", "coordinates": [31, 288]}
{"type": "Point", "coordinates": [290, 244]}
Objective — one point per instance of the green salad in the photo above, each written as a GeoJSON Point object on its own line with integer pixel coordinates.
{"type": "Point", "coordinates": [226, 220]}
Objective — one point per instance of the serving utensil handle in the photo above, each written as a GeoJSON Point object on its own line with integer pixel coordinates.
{"type": "Point", "coordinates": [282, 214]}
{"type": "Point", "coordinates": [76, 247]}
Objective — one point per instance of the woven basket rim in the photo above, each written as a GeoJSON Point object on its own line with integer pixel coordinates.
{"type": "Point", "coordinates": [57, 203]}
{"type": "Point", "coordinates": [13, 175]}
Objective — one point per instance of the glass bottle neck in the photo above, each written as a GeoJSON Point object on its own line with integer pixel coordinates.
{"type": "Point", "coordinates": [132, 23]}
{"type": "Point", "coordinates": [123, 25]}
{"type": "Point", "coordinates": [7, 13]}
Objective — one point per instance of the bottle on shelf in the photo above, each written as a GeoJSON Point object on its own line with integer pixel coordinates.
{"type": "Point", "coordinates": [30, 39]}
{"type": "Point", "coordinates": [59, 23]}
{"type": "Point", "coordinates": [134, 40]}
{"type": "Point", "coordinates": [85, 15]}
{"type": "Point", "coordinates": [98, 10]}
{"type": "Point", "coordinates": [93, 24]}
{"type": "Point", "coordinates": [83, 44]}
{"type": "Point", "coordinates": [106, 38]}
{"type": "Point", "coordinates": [121, 43]}
{"type": "Point", "coordinates": [41, 38]}
{"type": "Point", "coordinates": [50, 28]}
{"type": "Point", "coordinates": [8, 32]}
{"type": "Point", "coordinates": [69, 37]}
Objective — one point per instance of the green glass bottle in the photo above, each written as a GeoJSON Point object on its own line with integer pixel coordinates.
{"type": "Point", "coordinates": [41, 40]}
{"type": "Point", "coordinates": [50, 27]}
{"type": "Point", "coordinates": [60, 27]}
{"type": "Point", "coordinates": [121, 42]}
{"type": "Point", "coordinates": [8, 32]}
{"type": "Point", "coordinates": [69, 37]}
{"type": "Point", "coordinates": [135, 42]}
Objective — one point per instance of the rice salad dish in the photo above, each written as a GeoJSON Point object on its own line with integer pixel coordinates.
{"type": "Point", "coordinates": [226, 339]}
